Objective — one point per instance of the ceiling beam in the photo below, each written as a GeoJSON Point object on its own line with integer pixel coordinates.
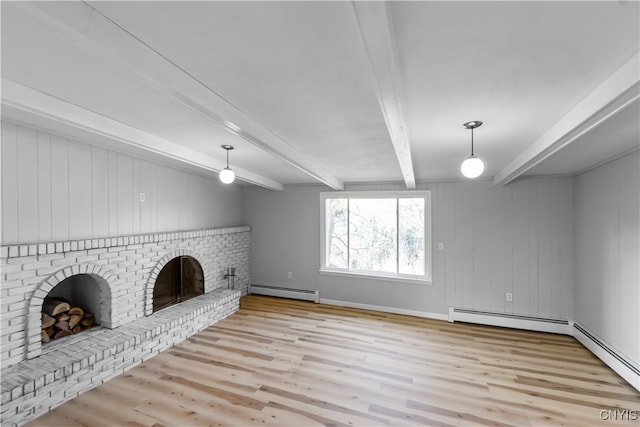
{"type": "Point", "coordinates": [615, 94]}
{"type": "Point", "coordinates": [89, 28]}
{"type": "Point", "coordinates": [20, 102]}
{"type": "Point", "coordinates": [376, 29]}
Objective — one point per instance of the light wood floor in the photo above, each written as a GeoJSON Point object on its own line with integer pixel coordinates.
{"type": "Point", "coordinates": [287, 363]}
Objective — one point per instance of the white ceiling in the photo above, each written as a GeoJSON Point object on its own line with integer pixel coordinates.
{"type": "Point", "coordinates": [332, 92]}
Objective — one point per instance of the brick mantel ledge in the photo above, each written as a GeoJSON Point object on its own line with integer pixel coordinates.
{"type": "Point", "coordinates": [46, 248]}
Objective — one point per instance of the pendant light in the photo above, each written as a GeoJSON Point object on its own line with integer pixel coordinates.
{"type": "Point", "coordinates": [473, 166]}
{"type": "Point", "coordinates": [226, 175]}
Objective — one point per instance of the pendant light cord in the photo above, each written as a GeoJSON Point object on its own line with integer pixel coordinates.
{"type": "Point", "coordinates": [471, 143]}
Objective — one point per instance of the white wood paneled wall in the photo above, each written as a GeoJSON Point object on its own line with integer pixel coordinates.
{"type": "Point", "coordinates": [58, 189]}
{"type": "Point", "coordinates": [516, 239]}
{"type": "Point", "coordinates": [607, 262]}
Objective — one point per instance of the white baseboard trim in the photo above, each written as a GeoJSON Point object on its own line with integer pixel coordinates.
{"type": "Point", "coordinates": [507, 320]}
{"type": "Point", "coordinates": [385, 309]}
{"type": "Point", "coordinates": [626, 369]}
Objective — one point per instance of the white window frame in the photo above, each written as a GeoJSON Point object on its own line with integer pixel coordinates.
{"type": "Point", "coordinates": [426, 194]}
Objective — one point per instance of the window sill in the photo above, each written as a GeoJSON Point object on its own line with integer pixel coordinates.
{"type": "Point", "coordinates": [375, 277]}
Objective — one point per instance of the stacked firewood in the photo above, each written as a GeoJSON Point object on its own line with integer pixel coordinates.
{"type": "Point", "coordinates": [61, 318]}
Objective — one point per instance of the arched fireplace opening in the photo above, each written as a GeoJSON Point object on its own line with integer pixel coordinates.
{"type": "Point", "coordinates": [180, 279]}
{"type": "Point", "coordinates": [71, 307]}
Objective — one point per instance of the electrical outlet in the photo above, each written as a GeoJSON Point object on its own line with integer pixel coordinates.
{"type": "Point", "coordinates": [290, 275]}
{"type": "Point", "coordinates": [509, 296]}
{"type": "Point", "coordinates": [143, 197]}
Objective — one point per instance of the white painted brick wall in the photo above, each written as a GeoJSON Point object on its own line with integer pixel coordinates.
{"type": "Point", "coordinates": [128, 264]}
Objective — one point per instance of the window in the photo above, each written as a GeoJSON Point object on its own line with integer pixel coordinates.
{"type": "Point", "coordinates": [384, 234]}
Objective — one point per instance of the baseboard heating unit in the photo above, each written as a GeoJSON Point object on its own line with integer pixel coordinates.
{"type": "Point", "coordinates": [508, 320]}
{"type": "Point", "coordinates": [277, 291]}
{"type": "Point", "coordinates": [625, 368]}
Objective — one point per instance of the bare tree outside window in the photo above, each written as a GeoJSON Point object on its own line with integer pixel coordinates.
{"type": "Point", "coordinates": [373, 235]}
{"type": "Point", "coordinates": [384, 235]}
{"type": "Point", "coordinates": [411, 236]}
{"type": "Point", "coordinates": [337, 217]}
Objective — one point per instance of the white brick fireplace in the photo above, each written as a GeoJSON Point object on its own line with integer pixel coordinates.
{"type": "Point", "coordinates": [37, 377]}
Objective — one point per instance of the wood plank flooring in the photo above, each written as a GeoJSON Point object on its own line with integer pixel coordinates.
{"type": "Point", "coordinates": [279, 362]}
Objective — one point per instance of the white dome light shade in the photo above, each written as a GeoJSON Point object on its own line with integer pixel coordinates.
{"type": "Point", "coordinates": [472, 167]}
{"type": "Point", "coordinates": [227, 176]}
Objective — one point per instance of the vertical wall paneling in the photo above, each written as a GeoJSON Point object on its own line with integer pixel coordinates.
{"type": "Point", "coordinates": [9, 183]}
{"type": "Point", "coordinates": [161, 198]}
{"type": "Point", "coordinates": [556, 265]}
{"type": "Point", "coordinates": [169, 180]}
{"type": "Point", "coordinates": [439, 269]}
{"type": "Point", "coordinates": [173, 199]}
{"type": "Point", "coordinates": [508, 230]}
{"type": "Point", "coordinates": [178, 198]}
{"type": "Point", "coordinates": [497, 256]}
{"type": "Point", "coordinates": [545, 271]}
{"type": "Point", "coordinates": [607, 249]}
{"type": "Point", "coordinates": [152, 199]}
{"type": "Point", "coordinates": [193, 183]}
{"type": "Point", "coordinates": [144, 187]}
{"type": "Point", "coordinates": [184, 197]}
{"type": "Point", "coordinates": [521, 247]}
{"type": "Point", "coordinates": [466, 245]}
{"type": "Point", "coordinates": [205, 209]}
{"type": "Point", "coordinates": [100, 196]}
{"type": "Point", "coordinates": [135, 194]}
{"type": "Point", "coordinates": [27, 148]}
{"type": "Point", "coordinates": [59, 188]}
{"type": "Point", "coordinates": [487, 233]}
{"type": "Point", "coordinates": [112, 186]}
{"type": "Point", "coordinates": [198, 203]}
{"type": "Point", "coordinates": [483, 237]}
{"type": "Point", "coordinates": [80, 191]}
{"type": "Point", "coordinates": [124, 178]}
{"type": "Point", "coordinates": [456, 245]}
{"type": "Point", "coordinates": [450, 249]}
{"type": "Point", "coordinates": [534, 210]}
{"type": "Point", "coordinates": [565, 226]}
{"type": "Point", "coordinates": [44, 186]}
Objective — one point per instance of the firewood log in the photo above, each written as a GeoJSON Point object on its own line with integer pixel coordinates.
{"type": "Point", "coordinates": [74, 320]}
{"type": "Point", "coordinates": [53, 306]}
{"type": "Point", "coordinates": [62, 325]}
{"type": "Point", "coordinates": [76, 311]}
{"type": "Point", "coordinates": [76, 329]}
{"type": "Point", "coordinates": [44, 336]}
{"type": "Point", "coordinates": [49, 330]}
{"type": "Point", "coordinates": [87, 320]}
{"type": "Point", "coordinates": [61, 334]}
{"type": "Point", "coordinates": [61, 317]}
{"type": "Point", "coordinates": [47, 321]}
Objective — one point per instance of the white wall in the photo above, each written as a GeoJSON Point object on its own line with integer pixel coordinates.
{"type": "Point", "coordinates": [607, 254]}
{"type": "Point", "coordinates": [59, 189]}
{"type": "Point", "coordinates": [496, 239]}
